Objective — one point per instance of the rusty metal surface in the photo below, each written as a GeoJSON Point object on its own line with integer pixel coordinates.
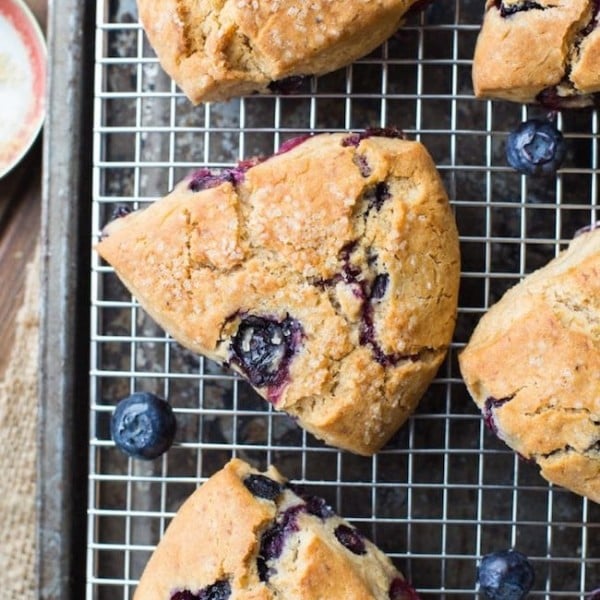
{"type": "Point", "coordinates": [63, 382]}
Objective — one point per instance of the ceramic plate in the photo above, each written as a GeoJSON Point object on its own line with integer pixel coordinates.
{"type": "Point", "coordinates": [22, 82]}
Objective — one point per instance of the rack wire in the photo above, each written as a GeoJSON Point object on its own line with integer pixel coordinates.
{"type": "Point", "coordinates": [444, 491]}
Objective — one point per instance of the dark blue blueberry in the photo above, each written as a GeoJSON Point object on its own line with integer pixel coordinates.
{"type": "Point", "coordinates": [221, 590]}
{"type": "Point", "coordinates": [143, 425]}
{"type": "Point", "coordinates": [511, 9]}
{"type": "Point", "coordinates": [350, 539]}
{"type": "Point", "coordinates": [400, 589]}
{"type": "Point", "coordinates": [536, 147]}
{"type": "Point", "coordinates": [263, 487]}
{"type": "Point", "coordinates": [380, 285]}
{"type": "Point", "coordinates": [184, 595]}
{"type": "Point", "coordinates": [263, 349]}
{"type": "Point", "coordinates": [274, 538]}
{"type": "Point", "coordinates": [287, 85]}
{"type": "Point", "coordinates": [505, 575]}
{"type": "Point", "coordinates": [317, 506]}
{"type": "Point", "coordinates": [593, 595]}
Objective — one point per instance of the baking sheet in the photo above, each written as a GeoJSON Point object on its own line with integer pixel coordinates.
{"type": "Point", "coordinates": [444, 491]}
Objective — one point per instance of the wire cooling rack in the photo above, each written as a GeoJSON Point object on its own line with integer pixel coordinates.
{"type": "Point", "coordinates": [444, 491]}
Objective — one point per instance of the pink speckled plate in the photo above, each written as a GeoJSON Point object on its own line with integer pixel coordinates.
{"type": "Point", "coordinates": [22, 82]}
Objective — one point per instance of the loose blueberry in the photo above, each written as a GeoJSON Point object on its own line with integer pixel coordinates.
{"type": "Point", "coordinates": [263, 487]}
{"type": "Point", "coordinates": [505, 575]}
{"type": "Point", "coordinates": [593, 595]}
{"type": "Point", "coordinates": [400, 589]}
{"type": "Point", "coordinates": [350, 538]}
{"type": "Point", "coordinates": [143, 425]}
{"type": "Point", "coordinates": [536, 147]}
{"type": "Point", "coordinates": [263, 349]}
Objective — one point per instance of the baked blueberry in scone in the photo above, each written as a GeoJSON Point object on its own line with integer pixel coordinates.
{"type": "Point", "coordinates": [219, 50]}
{"type": "Point", "coordinates": [545, 52]}
{"type": "Point", "coordinates": [326, 275]}
{"type": "Point", "coordinates": [248, 535]}
{"type": "Point", "coordinates": [532, 366]}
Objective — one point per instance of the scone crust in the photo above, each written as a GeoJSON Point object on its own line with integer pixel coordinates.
{"type": "Point", "coordinates": [218, 50]}
{"type": "Point", "coordinates": [533, 366]}
{"type": "Point", "coordinates": [299, 238]}
{"type": "Point", "coordinates": [216, 534]}
{"type": "Point", "coordinates": [554, 47]}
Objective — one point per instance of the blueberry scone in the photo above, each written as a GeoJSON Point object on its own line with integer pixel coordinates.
{"type": "Point", "coordinates": [326, 275]}
{"type": "Point", "coordinates": [250, 535]}
{"type": "Point", "coordinates": [218, 50]}
{"type": "Point", "coordinates": [547, 51]}
{"type": "Point", "coordinates": [533, 367]}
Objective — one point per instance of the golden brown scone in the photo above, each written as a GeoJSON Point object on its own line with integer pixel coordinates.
{"type": "Point", "coordinates": [545, 51]}
{"type": "Point", "coordinates": [533, 367]}
{"type": "Point", "coordinates": [250, 535]}
{"type": "Point", "coordinates": [219, 50]}
{"type": "Point", "coordinates": [326, 275]}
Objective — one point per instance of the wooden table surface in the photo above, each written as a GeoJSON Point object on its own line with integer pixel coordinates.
{"type": "Point", "coordinates": [20, 209]}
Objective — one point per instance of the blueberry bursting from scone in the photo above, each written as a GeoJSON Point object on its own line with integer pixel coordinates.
{"type": "Point", "coordinates": [325, 275]}
{"type": "Point", "coordinates": [543, 51]}
{"type": "Point", "coordinates": [532, 366]}
{"type": "Point", "coordinates": [250, 535]}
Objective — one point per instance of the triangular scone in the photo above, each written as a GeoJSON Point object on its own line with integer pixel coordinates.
{"type": "Point", "coordinates": [220, 50]}
{"type": "Point", "coordinates": [249, 535]}
{"type": "Point", "coordinates": [545, 51]}
{"type": "Point", "coordinates": [327, 275]}
{"type": "Point", "coordinates": [532, 366]}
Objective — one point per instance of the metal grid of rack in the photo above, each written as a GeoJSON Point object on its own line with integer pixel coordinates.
{"type": "Point", "coordinates": [444, 491]}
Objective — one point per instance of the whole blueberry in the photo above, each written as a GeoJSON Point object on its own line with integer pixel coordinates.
{"type": "Point", "coordinates": [536, 147]}
{"type": "Point", "coordinates": [143, 425]}
{"type": "Point", "coordinates": [505, 575]}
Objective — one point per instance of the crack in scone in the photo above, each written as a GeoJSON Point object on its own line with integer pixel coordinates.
{"type": "Point", "coordinates": [328, 282]}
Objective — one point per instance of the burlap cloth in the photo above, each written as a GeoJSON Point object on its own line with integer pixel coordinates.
{"type": "Point", "coordinates": [18, 457]}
